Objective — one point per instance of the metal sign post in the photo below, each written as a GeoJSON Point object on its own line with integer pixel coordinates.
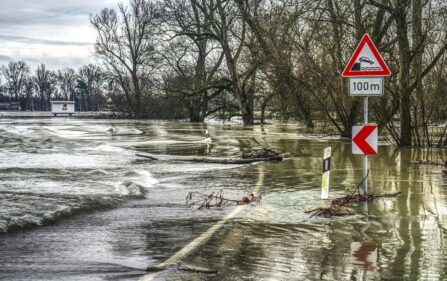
{"type": "Point", "coordinates": [365, 157]}
{"type": "Point", "coordinates": [365, 69]}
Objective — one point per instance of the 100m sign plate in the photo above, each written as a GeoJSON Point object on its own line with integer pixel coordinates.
{"type": "Point", "coordinates": [366, 86]}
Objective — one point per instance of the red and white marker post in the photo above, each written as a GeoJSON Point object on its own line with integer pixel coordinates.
{"type": "Point", "coordinates": [365, 69]}
{"type": "Point", "coordinates": [365, 140]}
{"type": "Point", "coordinates": [326, 173]}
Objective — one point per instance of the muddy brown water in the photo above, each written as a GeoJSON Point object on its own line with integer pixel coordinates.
{"type": "Point", "coordinates": [77, 204]}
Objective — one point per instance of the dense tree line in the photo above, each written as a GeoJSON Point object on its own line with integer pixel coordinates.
{"type": "Point", "coordinates": [281, 58]}
{"type": "Point", "coordinates": [257, 59]}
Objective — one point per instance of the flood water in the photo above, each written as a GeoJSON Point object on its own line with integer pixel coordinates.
{"type": "Point", "coordinates": [76, 203]}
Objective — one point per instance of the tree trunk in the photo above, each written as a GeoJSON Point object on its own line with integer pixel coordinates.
{"type": "Point", "coordinates": [137, 90]}
{"type": "Point", "coordinates": [195, 110]}
{"type": "Point", "coordinates": [197, 107]}
{"type": "Point", "coordinates": [86, 101]}
{"type": "Point", "coordinates": [418, 49]}
{"type": "Point", "coordinates": [245, 105]}
{"type": "Point", "coordinates": [298, 101]}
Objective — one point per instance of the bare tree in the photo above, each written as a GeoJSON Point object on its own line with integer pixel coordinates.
{"type": "Point", "coordinates": [125, 42]}
{"type": "Point", "coordinates": [273, 31]}
{"type": "Point", "coordinates": [231, 33]}
{"type": "Point", "coordinates": [89, 83]}
{"type": "Point", "coordinates": [29, 89]}
{"type": "Point", "coordinates": [45, 82]}
{"type": "Point", "coordinates": [67, 79]}
{"type": "Point", "coordinates": [406, 14]}
{"type": "Point", "coordinates": [15, 74]}
{"type": "Point", "coordinates": [194, 58]}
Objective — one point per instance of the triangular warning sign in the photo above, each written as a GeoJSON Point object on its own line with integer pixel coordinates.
{"type": "Point", "coordinates": [366, 61]}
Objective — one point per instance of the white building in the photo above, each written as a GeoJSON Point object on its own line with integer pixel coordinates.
{"type": "Point", "coordinates": [62, 107]}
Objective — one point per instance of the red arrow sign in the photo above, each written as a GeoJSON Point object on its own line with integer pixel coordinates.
{"type": "Point", "coordinates": [364, 139]}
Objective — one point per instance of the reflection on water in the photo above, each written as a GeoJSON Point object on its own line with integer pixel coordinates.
{"type": "Point", "coordinates": [364, 254]}
{"type": "Point", "coordinates": [108, 213]}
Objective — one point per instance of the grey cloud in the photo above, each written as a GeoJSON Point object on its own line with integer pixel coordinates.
{"type": "Point", "coordinates": [52, 23]}
{"type": "Point", "coordinates": [42, 41]}
{"type": "Point", "coordinates": [50, 62]}
{"type": "Point", "coordinates": [5, 58]}
{"type": "Point", "coordinates": [29, 18]}
{"type": "Point", "coordinates": [72, 11]}
{"type": "Point", "coordinates": [66, 12]}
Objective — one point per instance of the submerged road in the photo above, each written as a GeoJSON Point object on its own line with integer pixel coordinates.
{"type": "Point", "coordinates": [207, 235]}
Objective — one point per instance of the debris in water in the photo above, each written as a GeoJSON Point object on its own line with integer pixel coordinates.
{"type": "Point", "coordinates": [333, 210]}
{"type": "Point", "coordinates": [216, 160]}
{"type": "Point", "coordinates": [339, 205]}
{"type": "Point", "coordinates": [263, 153]}
{"type": "Point", "coordinates": [206, 201]}
{"type": "Point", "coordinates": [431, 163]}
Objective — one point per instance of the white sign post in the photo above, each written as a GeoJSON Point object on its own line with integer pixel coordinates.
{"type": "Point", "coordinates": [326, 173]}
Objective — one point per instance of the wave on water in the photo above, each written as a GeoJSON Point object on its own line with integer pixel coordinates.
{"type": "Point", "coordinates": [97, 172]}
{"type": "Point", "coordinates": [124, 131]}
{"type": "Point", "coordinates": [24, 210]}
{"type": "Point", "coordinates": [103, 148]}
{"type": "Point", "coordinates": [28, 139]}
{"type": "Point", "coordinates": [137, 182]}
{"type": "Point", "coordinates": [53, 171]}
{"type": "Point", "coordinates": [109, 148]}
{"type": "Point", "coordinates": [16, 130]}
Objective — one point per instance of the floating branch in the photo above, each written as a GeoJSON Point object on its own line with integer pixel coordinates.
{"type": "Point", "coordinates": [259, 156]}
{"type": "Point", "coordinates": [216, 199]}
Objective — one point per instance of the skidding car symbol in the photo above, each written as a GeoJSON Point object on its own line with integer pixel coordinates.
{"type": "Point", "coordinates": [365, 59]}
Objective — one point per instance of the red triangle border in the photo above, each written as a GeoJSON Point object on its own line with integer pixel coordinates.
{"type": "Point", "coordinates": [347, 72]}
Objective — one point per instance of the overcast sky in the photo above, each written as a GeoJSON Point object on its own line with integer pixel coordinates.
{"type": "Point", "coordinates": [55, 32]}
